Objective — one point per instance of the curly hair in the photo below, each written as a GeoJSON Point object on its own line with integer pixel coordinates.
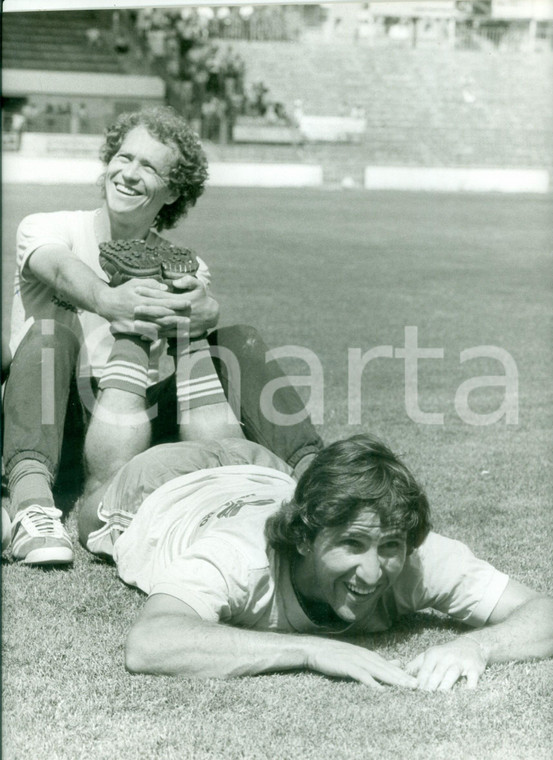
{"type": "Point", "coordinates": [187, 178]}
{"type": "Point", "coordinates": [344, 479]}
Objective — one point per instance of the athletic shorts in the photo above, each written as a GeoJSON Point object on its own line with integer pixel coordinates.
{"type": "Point", "coordinates": [156, 466]}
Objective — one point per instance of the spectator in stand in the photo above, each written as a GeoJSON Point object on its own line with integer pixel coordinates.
{"type": "Point", "coordinates": [156, 44]}
{"type": "Point", "coordinates": [212, 67]}
{"type": "Point", "coordinates": [49, 117]}
{"type": "Point", "coordinates": [235, 105]}
{"type": "Point", "coordinates": [158, 19]}
{"type": "Point", "coordinates": [270, 114]}
{"type": "Point", "coordinates": [121, 43]}
{"type": "Point", "coordinates": [74, 119]}
{"type": "Point", "coordinates": [18, 123]}
{"type": "Point", "coordinates": [18, 126]}
{"type": "Point", "coordinates": [232, 71]}
{"type": "Point", "coordinates": [239, 72]}
{"type": "Point", "coordinates": [281, 114]}
{"type": "Point", "coordinates": [82, 114]}
{"type": "Point", "coordinates": [211, 118]}
{"type": "Point", "coordinates": [172, 55]}
{"type": "Point", "coordinates": [94, 37]}
{"type": "Point", "coordinates": [259, 92]}
{"type": "Point", "coordinates": [30, 112]}
{"type": "Point", "coordinates": [65, 112]}
{"type": "Point", "coordinates": [206, 19]}
{"type": "Point", "coordinates": [246, 12]}
{"type": "Point", "coordinates": [200, 77]}
{"type": "Point", "coordinates": [143, 23]}
{"type": "Point", "coordinates": [224, 22]}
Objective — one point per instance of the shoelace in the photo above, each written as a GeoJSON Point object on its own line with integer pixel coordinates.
{"type": "Point", "coordinates": [43, 520]}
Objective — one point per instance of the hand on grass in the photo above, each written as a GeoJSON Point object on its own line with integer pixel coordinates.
{"type": "Point", "coordinates": [440, 667]}
{"type": "Point", "coordinates": [341, 660]}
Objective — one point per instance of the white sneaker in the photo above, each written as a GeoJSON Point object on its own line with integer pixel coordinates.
{"type": "Point", "coordinates": [39, 538]}
{"type": "Point", "coordinates": [6, 530]}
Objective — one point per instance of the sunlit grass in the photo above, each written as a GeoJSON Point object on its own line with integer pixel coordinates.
{"type": "Point", "coordinates": [329, 271]}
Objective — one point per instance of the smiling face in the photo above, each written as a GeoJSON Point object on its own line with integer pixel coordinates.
{"type": "Point", "coordinates": [136, 181]}
{"type": "Point", "coordinates": [349, 567]}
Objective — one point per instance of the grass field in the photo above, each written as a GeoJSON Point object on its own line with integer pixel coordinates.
{"type": "Point", "coordinates": [329, 271]}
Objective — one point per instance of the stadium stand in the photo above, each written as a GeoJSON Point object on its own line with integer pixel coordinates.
{"type": "Point", "coordinates": [427, 106]}
{"type": "Point", "coordinates": [422, 107]}
{"type": "Point", "coordinates": [58, 41]}
{"type": "Point", "coordinates": [69, 72]}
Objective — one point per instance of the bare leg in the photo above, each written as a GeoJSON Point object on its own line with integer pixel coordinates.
{"type": "Point", "coordinates": [203, 411]}
{"type": "Point", "coordinates": [119, 429]}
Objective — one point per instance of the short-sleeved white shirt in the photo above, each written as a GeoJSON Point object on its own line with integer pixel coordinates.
{"type": "Point", "coordinates": [80, 232]}
{"type": "Point", "coordinates": [200, 538]}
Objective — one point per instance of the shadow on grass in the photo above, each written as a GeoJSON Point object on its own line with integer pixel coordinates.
{"type": "Point", "coordinates": [10, 562]}
{"type": "Point", "coordinates": [409, 627]}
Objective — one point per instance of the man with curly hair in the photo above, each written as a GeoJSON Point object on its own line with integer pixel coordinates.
{"type": "Point", "coordinates": [237, 561]}
{"type": "Point", "coordinates": [74, 338]}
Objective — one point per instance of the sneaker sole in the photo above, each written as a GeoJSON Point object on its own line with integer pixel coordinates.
{"type": "Point", "coordinates": [124, 259]}
{"type": "Point", "coordinates": [49, 556]}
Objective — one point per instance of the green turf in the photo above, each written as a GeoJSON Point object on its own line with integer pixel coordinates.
{"type": "Point", "coordinates": [329, 271]}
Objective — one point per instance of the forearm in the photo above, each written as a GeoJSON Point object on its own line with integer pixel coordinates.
{"type": "Point", "coordinates": [71, 278]}
{"type": "Point", "coordinates": [201, 650]}
{"type": "Point", "coordinates": [164, 641]}
{"type": "Point", "coordinates": [526, 634]}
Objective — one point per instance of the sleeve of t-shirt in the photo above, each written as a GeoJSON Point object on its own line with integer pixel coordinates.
{"type": "Point", "coordinates": [203, 274]}
{"type": "Point", "coordinates": [212, 577]}
{"type": "Point", "coordinates": [443, 574]}
{"type": "Point", "coordinates": [37, 230]}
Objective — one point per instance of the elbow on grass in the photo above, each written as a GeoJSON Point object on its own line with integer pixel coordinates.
{"type": "Point", "coordinates": [138, 655]}
{"type": "Point", "coordinates": [145, 656]}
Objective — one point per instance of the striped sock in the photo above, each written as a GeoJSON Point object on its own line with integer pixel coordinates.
{"type": "Point", "coordinates": [127, 366]}
{"type": "Point", "coordinates": [197, 381]}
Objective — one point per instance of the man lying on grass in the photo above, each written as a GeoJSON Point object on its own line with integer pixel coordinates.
{"type": "Point", "coordinates": [249, 573]}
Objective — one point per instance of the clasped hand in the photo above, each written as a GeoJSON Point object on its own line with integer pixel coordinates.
{"type": "Point", "coordinates": [150, 309]}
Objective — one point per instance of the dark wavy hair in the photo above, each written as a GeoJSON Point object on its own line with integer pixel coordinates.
{"type": "Point", "coordinates": [186, 179]}
{"type": "Point", "coordinates": [343, 479]}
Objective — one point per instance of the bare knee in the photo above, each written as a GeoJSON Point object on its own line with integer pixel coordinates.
{"type": "Point", "coordinates": [212, 422]}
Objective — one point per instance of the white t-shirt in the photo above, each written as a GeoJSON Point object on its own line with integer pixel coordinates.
{"type": "Point", "coordinates": [200, 538]}
{"type": "Point", "coordinates": [208, 526]}
{"type": "Point", "coordinates": [80, 232]}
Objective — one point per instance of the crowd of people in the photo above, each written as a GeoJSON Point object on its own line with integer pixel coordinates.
{"type": "Point", "coordinates": [222, 22]}
{"type": "Point", "coordinates": [205, 81]}
{"type": "Point", "coordinates": [254, 541]}
{"type": "Point", "coordinates": [65, 117]}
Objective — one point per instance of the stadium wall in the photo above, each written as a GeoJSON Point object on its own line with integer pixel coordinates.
{"type": "Point", "coordinates": [20, 169]}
